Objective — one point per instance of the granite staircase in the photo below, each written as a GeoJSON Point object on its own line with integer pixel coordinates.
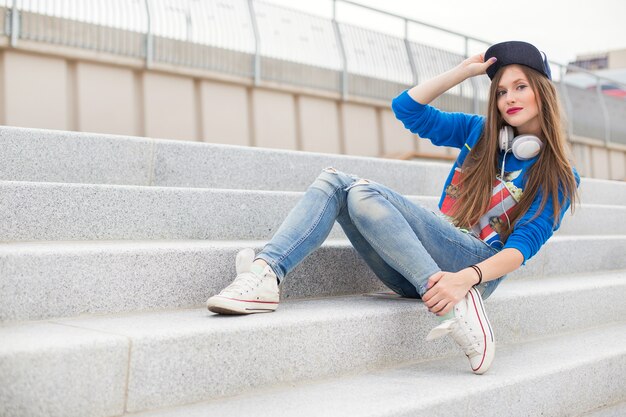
{"type": "Point", "coordinates": [110, 246]}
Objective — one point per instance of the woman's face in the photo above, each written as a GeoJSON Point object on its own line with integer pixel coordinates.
{"type": "Point", "coordinates": [516, 101]}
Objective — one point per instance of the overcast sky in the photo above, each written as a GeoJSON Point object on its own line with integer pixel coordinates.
{"type": "Point", "coordinates": [560, 28]}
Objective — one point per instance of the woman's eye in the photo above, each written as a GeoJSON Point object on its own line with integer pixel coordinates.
{"type": "Point", "coordinates": [521, 86]}
{"type": "Point", "coordinates": [499, 93]}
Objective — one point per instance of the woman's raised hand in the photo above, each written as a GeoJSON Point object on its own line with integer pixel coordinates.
{"type": "Point", "coordinates": [476, 65]}
{"type": "Point", "coordinates": [429, 90]}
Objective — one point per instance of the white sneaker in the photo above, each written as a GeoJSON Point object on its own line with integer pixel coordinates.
{"type": "Point", "coordinates": [249, 292]}
{"type": "Point", "coordinates": [471, 330]}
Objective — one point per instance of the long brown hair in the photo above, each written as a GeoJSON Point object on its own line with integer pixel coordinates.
{"type": "Point", "coordinates": [550, 173]}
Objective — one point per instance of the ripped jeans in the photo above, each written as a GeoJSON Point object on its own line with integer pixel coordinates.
{"type": "Point", "coordinates": [402, 242]}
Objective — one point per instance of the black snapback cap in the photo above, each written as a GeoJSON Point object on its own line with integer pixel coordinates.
{"type": "Point", "coordinates": [517, 52]}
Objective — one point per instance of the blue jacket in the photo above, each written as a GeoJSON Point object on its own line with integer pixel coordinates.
{"type": "Point", "coordinates": [463, 131]}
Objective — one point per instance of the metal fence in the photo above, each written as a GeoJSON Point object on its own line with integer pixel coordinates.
{"type": "Point", "coordinates": [255, 39]}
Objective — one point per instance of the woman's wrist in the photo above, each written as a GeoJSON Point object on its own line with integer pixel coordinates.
{"type": "Point", "coordinates": [472, 276]}
{"type": "Point", "coordinates": [463, 72]}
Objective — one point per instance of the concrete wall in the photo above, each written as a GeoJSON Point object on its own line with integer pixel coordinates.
{"type": "Point", "coordinates": [69, 90]}
{"type": "Point", "coordinates": [224, 113]}
{"type": "Point", "coordinates": [316, 136]}
{"type": "Point", "coordinates": [595, 160]}
{"type": "Point", "coordinates": [96, 87]}
{"type": "Point", "coordinates": [35, 91]}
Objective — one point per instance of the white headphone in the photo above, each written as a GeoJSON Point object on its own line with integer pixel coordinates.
{"type": "Point", "coordinates": [523, 146]}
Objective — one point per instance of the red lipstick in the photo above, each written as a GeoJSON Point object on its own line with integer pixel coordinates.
{"type": "Point", "coordinates": [513, 110]}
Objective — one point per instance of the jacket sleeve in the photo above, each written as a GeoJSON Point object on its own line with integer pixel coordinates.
{"type": "Point", "coordinates": [442, 128]}
{"type": "Point", "coordinates": [529, 237]}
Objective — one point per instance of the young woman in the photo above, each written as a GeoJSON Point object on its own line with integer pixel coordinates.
{"type": "Point", "coordinates": [505, 195]}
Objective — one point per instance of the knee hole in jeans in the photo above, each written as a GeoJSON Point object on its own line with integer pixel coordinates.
{"type": "Point", "coordinates": [358, 182]}
{"type": "Point", "coordinates": [333, 170]}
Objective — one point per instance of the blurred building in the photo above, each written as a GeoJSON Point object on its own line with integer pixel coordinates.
{"type": "Point", "coordinates": [615, 59]}
{"type": "Point", "coordinates": [608, 64]}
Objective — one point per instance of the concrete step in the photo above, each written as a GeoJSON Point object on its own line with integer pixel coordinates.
{"type": "Point", "coordinates": [598, 191]}
{"type": "Point", "coordinates": [55, 211]}
{"type": "Point", "coordinates": [553, 377]}
{"type": "Point", "coordinates": [57, 279]}
{"type": "Point", "coordinates": [153, 360]}
{"type": "Point", "coordinates": [587, 220]}
{"type": "Point", "coordinates": [43, 280]}
{"type": "Point", "coordinates": [71, 157]}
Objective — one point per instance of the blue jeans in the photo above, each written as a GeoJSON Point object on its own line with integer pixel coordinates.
{"type": "Point", "coordinates": [402, 242]}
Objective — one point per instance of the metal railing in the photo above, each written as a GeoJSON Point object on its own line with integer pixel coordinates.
{"type": "Point", "coordinates": [262, 41]}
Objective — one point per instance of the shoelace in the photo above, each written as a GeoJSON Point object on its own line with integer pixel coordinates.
{"type": "Point", "coordinates": [243, 282]}
{"type": "Point", "coordinates": [462, 337]}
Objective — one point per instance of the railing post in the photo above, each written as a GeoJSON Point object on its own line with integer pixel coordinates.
{"type": "Point", "coordinates": [473, 81]}
{"type": "Point", "coordinates": [257, 44]}
{"type": "Point", "coordinates": [344, 61]}
{"type": "Point", "coordinates": [475, 101]}
{"type": "Point", "coordinates": [15, 24]}
{"type": "Point", "coordinates": [605, 113]}
{"type": "Point", "coordinates": [568, 103]}
{"type": "Point", "coordinates": [407, 45]}
{"type": "Point", "coordinates": [149, 36]}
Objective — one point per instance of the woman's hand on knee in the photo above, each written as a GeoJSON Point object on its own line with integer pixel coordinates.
{"type": "Point", "coordinates": [445, 290]}
{"type": "Point", "coordinates": [434, 278]}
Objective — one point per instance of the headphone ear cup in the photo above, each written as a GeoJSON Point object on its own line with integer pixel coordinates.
{"type": "Point", "coordinates": [526, 146]}
{"type": "Point", "coordinates": [505, 138]}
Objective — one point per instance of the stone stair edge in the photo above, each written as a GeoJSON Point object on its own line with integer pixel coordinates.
{"type": "Point", "coordinates": [510, 290]}
{"type": "Point", "coordinates": [140, 187]}
{"type": "Point", "coordinates": [123, 245]}
{"type": "Point", "coordinates": [131, 211]}
{"type": "Point", "coordinates": [75, 134]}
{"type": "Point", "coordinates": [617, 409]}
{"type": "Point", "coordinates": [554, 284]}
{"type": "Point", "coordinates": [240, 148]}
{"type": "Point", "coordinates": [167, 188]}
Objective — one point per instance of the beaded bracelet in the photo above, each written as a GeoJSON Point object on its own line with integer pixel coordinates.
{"type": "Point", "coordinates": [480, 274]}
